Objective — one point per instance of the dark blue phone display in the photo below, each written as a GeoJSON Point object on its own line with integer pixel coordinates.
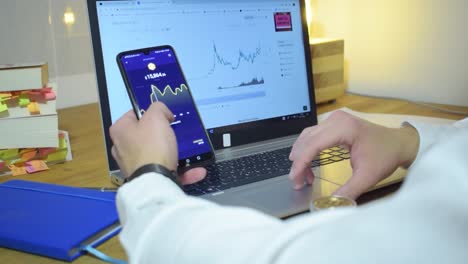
{"type": "Point", "coordinates": [156, 76]}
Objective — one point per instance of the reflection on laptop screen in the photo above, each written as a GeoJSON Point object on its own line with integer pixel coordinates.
{"type": "Point", "coordinates": [247, 64]}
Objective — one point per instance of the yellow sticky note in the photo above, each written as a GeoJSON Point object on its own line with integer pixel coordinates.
{"type": "Point", "coordinates": [8, 154]}
{"type": "Point", "coordinates": [60, 155]}
{"type": "Point", "coordinates": [23, 100]}
{"type": "Point", "coordinates": [3, 107]}
{"type": "Point", "coordinates": [62, 143]}
{"type": "Point", "coordinates": [17, 171]}
{"type": "Point", "coordinates": [33, 108]}
{"type": "Point", "coordinates": [5, 95]}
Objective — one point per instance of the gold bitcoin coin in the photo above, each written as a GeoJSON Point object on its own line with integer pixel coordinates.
{"type": "Point", "coordinates": [330, 202]}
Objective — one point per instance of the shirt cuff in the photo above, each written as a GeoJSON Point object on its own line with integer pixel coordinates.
{"type": "Point", "coordinates": [148, 190]}
{"type": "Point", "coordinates": [139, 201]}
{"type": "Point", "coordinates": [428, 134]}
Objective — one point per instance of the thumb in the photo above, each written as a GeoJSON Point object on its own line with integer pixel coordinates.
{"type": "Point", "coordinates": [360, 182]}
{"type": "Point", "coordinates": [192, 176]}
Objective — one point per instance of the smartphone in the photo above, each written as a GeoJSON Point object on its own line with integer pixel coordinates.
{"type": "Point", "coordinates": [154, 74]}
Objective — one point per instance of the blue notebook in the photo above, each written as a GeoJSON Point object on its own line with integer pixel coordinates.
{"type": "Point", "coordinates": [55, 221]}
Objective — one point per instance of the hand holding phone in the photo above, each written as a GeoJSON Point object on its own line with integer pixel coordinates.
{"type": "Point", "coordinates": [134, 142]}
{"type": "Point", "coordinates": [154, 75]}
{"type": "Point", "coordinates": [145, 141]}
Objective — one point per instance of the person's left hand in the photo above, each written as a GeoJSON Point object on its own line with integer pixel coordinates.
{"type": "Point", "coordinates": [149, 140]}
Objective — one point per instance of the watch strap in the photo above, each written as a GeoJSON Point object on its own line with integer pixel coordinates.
{"type": "Point", "coordinates": [152, 167]}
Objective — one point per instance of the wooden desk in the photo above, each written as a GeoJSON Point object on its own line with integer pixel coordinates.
{"type": "Point", "coordinates": [89, 165]}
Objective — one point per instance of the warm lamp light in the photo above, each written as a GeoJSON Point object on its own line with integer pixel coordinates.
{"type": "Point", "coordinates": [69, 18]}
{"type": "Point", "coordinates": [309, 13]}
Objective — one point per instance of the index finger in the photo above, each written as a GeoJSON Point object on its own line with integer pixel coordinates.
{"type": "Point", "coordinates": [159, 110]}
{"type": "Point", "coordinates": [308, 147]}
{"type": "Point", "coordinates": [338, 129]}
{"type": "Point", "coordinates": [126, 120]}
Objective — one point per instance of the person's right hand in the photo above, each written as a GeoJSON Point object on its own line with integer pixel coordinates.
{"type": "Point", "coordinates": [149, 140]}
{"type": "Point", "coordinates": [376, 151]}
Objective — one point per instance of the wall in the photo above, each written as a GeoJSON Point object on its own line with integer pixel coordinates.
{"type": "Point", "coordinates": [33, 30]}
{"type": "Point", "coordinates": [414, 49]}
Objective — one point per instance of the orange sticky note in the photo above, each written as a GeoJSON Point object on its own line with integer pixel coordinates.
{"type": "Point", "coordinates": [13, 100]}
{"type": "Point", "coordinates": [33, 108]}
{"type": "Point", "coordinates": [28, 155]}
{"type": "Point", "coordinates": [36, 166]}
{"type": "Point", "coordinates": [17, 171]}
{"type": "Point", "coordinates": [24, 150]}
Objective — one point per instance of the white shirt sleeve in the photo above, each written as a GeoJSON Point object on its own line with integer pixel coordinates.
{"type": "Point", "coordinates": [431, 133]}
{"type": "Point", "coordinates": [425, 222]}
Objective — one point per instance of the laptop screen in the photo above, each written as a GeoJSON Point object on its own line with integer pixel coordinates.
{"type": "Point", "coordinates": [247, 62]}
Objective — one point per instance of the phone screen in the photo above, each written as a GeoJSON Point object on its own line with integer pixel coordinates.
{"type": "Point", "coordinates": [154, 74]}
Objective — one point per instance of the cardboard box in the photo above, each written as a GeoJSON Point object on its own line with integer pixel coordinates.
{"type": "Point", "coordinates": [328, 68]}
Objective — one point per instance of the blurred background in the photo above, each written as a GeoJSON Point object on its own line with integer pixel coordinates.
{"type": "Point", "coordinates": [411, 49]}
{"type": "Point", "coordinates": [57, 32]}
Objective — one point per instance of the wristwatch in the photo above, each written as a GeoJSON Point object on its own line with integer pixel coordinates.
{"type": "Point", "coordinates": [152, 167]}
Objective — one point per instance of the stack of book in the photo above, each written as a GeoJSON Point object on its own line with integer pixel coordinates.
{"type": "Point", "coordinates": [29, 135]}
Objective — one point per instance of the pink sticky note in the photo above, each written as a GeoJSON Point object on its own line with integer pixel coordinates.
{"type": "Point", "coordinates": [46, 90]}
{"type": "Point", "coordinates": [36, 166]}
{"type": "Point", "coordinates": [44, 152]}
{"type": "Point", "coordinates": [35, 95]}
{"type": "Point", "coordinates": [34, 92]}
{"type": "Point", "coordinates": [49, 96]}
{"type": "Point", "coordinates": [28, 155]}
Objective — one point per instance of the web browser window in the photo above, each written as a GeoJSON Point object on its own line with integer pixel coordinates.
{"type": "Point", "coordinates": [244, 59]}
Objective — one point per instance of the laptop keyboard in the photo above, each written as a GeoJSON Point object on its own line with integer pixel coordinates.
{"type": "Point", "coordinates": [261, 166]}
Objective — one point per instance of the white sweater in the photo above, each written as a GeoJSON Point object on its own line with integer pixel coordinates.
{"type": "Point", "coordinates": [425, 222]}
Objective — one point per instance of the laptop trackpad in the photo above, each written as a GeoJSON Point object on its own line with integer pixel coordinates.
{"type": "Point", "coordinates": [276, 198]}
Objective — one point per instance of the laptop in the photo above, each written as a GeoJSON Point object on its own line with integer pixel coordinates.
{"type": "Point", "coordinates": [248, 65]}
